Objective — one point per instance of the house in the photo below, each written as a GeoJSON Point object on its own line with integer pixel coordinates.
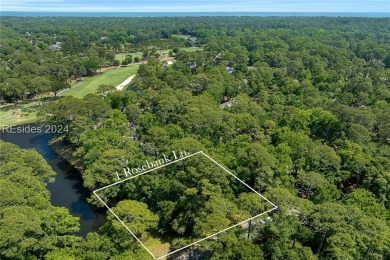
{"type": "Point", "coordinates": [167, 63]}
{"type": "Point", "coordinates": [226, 104]}
{"type": "Point", "coordinates": [55, 47]}
{"type": "Point", "coordinates": [192, 39]}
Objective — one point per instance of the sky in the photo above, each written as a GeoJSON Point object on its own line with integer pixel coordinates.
{"type": "Point", "coordinates": [197, 5]}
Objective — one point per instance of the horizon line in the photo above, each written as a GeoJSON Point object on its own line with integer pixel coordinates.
{"type": "Point", "coordinates": [91, 11]}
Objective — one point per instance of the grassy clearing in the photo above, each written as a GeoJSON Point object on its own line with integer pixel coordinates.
{"type": "Point", "coordinates": [21, 114]}
{"type": "Point", "coordinates": [185, 37]}
{"type": "Point", "coordinates": [122, 56]}
{"type": "Point", "coordinates": [191, 49]}
{"type": "Point", "coordinates": [157, 247]}
{"type": "Point", "coordinates": [113, 77]}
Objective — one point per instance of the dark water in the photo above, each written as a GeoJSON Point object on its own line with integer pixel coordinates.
{"type": "Point", "coordinates": [67, 189]}
{"type": "Point", "coordinates": [187, 14]}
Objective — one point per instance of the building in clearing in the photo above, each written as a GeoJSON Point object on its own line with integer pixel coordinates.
{"type": "Point", "coordinates": [55, 47]}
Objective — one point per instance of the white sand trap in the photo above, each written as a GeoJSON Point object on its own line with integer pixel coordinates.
{"type": "Point", "coordinates": [125, 83]}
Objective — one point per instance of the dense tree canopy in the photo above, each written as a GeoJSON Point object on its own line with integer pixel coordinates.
{"type": "Point", "coordinates": [298, 108]}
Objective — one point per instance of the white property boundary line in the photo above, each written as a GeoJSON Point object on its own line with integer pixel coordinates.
{"type": "Point", "coordinates": [196, 242]}
{"type": "Point", "coordinates": [115, 183]}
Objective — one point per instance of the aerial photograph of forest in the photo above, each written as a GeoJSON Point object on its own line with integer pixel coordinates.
{"type": "Point", "coordinates": [195, 130]}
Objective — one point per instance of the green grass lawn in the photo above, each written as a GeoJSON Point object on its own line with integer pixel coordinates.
{"type": "Point", "coordinates": [21, 114]}
{"type": "Point", "coordinates": [122, 56]}
{"type": "Point", "coordinates": [110, 77]}
{"type": "Point", "coordinates": [191, 49]}
{"type": "Point", "coordinates": [157, 247]}
{"type": "Point", "coordinates": [181, 36]}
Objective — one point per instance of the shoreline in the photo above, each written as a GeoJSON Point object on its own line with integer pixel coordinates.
{"type": "Point", "coordinates": [65, 152]}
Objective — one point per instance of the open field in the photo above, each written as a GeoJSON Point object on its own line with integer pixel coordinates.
{"type": "Point", "coordinates": [157, 246]}
{"type": "Point", "coordinates": [113, 77]}
{"type": "Point", "coordinates": [180, 36]}
{"type": "Point", "coordinates": [22, 114]}
{"type": "Point", "coordinates": [122, 56]}
{"type": "Point", "coordinates": [191, 49]}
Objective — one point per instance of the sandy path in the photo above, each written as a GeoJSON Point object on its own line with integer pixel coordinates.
{"type": "Point", "coordinates": [125, 83]}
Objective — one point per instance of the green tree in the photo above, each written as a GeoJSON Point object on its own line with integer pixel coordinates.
{"type": "Point", "coordinates": [14, 88]}
{"type": "Point", "coordinates": [256, 165]}
{"type": "Point", "coordinates": [324, 125]}
{"type": "Point", "coordinates": [213, 223]}
{"type": "Point", "coordinates": [40, 85]}
{"type": "Point", "coordinates": [104, 89]}
{"type": "Point", "coordinates": [367, 203]}
{"type": "Point", "coordinates": [30, 227]}
{"type": "Point", "coordinates": [136, 216]}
